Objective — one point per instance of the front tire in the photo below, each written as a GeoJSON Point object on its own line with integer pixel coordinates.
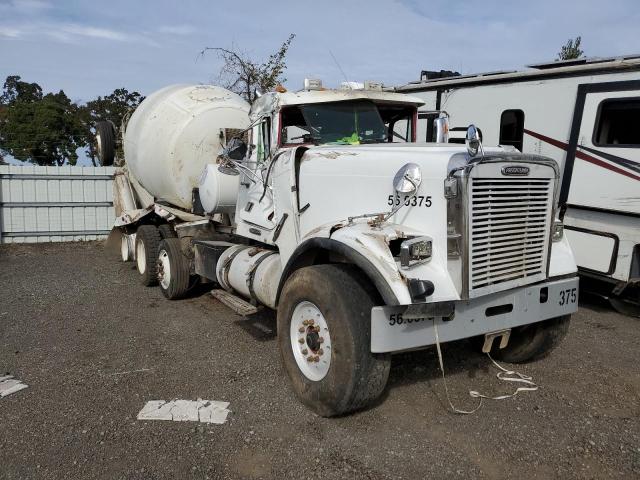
{"type": "Point", "coordinates": [324, 336]}
{"type": "Point", "coordinates": [147, 240]}
{"type": "Point", "coordinates": [532, 342]}
{"type": "Point", "coordinates": [173, 269]}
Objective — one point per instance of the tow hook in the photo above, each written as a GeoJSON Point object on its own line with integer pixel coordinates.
{"type": "Point", "coordinates": [489, 337]}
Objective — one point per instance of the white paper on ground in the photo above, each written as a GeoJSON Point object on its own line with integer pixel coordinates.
{"type": "Point", "coordinates": [204, 411]}
{"type": "Point", "coordinates": [9, 385]}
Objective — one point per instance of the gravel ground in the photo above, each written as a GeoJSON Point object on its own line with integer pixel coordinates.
{"type": "Point", "coordinates": [74, 321]}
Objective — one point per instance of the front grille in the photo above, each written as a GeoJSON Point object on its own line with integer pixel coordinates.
{"type": "Point", "coordinates": [509, 221]}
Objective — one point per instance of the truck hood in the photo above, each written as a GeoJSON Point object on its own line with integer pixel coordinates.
{"type": "Point", "coordinates": [341, 181]}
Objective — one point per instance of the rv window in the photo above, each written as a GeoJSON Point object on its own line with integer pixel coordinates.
{"type": "Point", "coordinates": [512, 128]}
{"type": "Point", "coordinates": [617, 123]}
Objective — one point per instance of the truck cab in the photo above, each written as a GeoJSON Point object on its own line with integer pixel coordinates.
{"type": "Point", "coordinates": [444, 236]}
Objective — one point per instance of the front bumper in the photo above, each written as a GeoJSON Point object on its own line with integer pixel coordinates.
{"type": "Point", "coordinates": [395, 328]}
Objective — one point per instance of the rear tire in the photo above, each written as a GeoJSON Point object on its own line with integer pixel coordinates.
{"type": "Point", "coordinates": [147, 240]}
{"type": "Point", "coordinates": [167, 231]}
{"type": "Point", "coordinates": [532, 342]}
{"type": "Point", "coordinates": [173, 269]}
{"type": "Point", "coordinates": [342, 375]}
{"type": "Point", "coordinates": [105, 143]}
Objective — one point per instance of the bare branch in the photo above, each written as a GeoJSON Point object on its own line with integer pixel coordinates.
{"type": "Point", "coordinates": [242, 75]}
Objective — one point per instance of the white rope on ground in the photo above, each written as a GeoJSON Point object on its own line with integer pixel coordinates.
{"type": "Point", "coordinates": [504, 375]}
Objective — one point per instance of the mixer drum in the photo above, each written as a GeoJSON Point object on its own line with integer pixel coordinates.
{"type": "Point", "coordinates": [175, 133]}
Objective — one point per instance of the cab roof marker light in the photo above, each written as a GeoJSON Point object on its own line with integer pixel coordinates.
{"type": "Point", "coordinates": [312, 84]}
{"type": "Point", "coordinates": [371, 85]}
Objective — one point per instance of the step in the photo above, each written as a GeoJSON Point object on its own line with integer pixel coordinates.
{"type": "Point", "coordinates": [235, 303]}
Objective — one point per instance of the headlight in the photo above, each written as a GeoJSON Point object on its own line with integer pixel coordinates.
{"type": "Point", "coordinates": [557, 232]}
{"type": "Point", "coordinates": [414, 251]}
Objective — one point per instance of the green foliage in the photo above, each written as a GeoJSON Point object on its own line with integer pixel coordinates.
{"type": "Point", "coordinates": [243, 75]}
{"type": "Point", "coordinates": [571, 49]}
{"type": "Point", "coordinates": [37, 128]}
{"type": "Point", "coordinates": [48, 129]}
{"type": "Point", "coordinates": [113, 107]}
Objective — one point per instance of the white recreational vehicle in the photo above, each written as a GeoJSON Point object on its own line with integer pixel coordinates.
{"type": "Point", "coordinates": [583, 113]}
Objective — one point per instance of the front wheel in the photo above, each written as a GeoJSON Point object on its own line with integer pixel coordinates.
{"type": "Point", "coordinates": [532, 342]}
{"type": "Point", "coordinates": [324, 336]}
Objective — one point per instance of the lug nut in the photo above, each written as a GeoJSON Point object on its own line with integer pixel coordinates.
{"type": "Point", "coordinates": [301, 340]}
{"type": "Point", "coordinates": [311, 322]}
{"type": "Point", "coordinates": [320, 352]}
{"type": "Point", "coordinates": [305, 322]}
{"type": "Point", "coordinates": [317, 359]}
{"type": "Point", "coordinates": [305, 351]}
{"type": "Point", "coordinates": [301, 329]}
{"type": "Point", "coordinates": [321, 339]}
{"type": "Point", "coordinates": [317, 329]}
{"type": "Point", "coordinates": [310, 358]}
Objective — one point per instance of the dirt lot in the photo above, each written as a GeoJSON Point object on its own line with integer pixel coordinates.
{"type": "Point", "coordinates": [74, 321]}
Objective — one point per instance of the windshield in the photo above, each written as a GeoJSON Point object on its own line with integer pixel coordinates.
{"type": "Point", "coordinates": [343, 122]}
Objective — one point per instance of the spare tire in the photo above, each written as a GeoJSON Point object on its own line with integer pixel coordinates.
{"type": "Point", "coordinates": [106, 143]}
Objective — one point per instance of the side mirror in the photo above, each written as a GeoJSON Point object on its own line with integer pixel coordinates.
{"type": "Point", "coordinates": [236, 149]}
{"type": "Point", "coordinates": [472, 141]}
{"type": "Point", "coordinates": [407, 179]}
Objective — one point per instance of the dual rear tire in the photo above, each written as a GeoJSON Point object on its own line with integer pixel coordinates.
{"type": "Point", "coordinates": [160, 261]}
{"type": "Point", "coordinates": [172, 268]}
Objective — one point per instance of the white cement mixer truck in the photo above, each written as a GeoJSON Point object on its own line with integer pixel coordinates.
{"type": "Point", "coordinates": [319, 204]}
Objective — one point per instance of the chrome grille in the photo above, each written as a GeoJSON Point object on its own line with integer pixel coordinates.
{"type": "Point", "coordinates": [509, 221]}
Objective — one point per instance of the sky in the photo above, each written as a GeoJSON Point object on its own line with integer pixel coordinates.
{"type": "Point", "coordinates": [89, 48]}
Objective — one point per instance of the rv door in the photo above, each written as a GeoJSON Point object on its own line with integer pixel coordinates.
{"type": "Point", "coordinates": [603, 219]}
{"type": "Point", "coordinates": [606, 170]}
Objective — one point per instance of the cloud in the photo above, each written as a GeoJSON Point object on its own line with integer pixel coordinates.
{"type": "Point", "coordinates": [70, 32]}
{"type": "Point", "coordinates": [10, 32]}
{"type": "Point", "coordinates": [27, 6]}
{"type": "Point", "coordinates": [177, 29]}
{"type": "Point", "coordinates": [94, 32]}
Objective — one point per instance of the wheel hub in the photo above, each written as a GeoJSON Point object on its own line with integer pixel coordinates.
{"type": "Point", "coordinates": [164, 270]}
{"type": "Point", "coordinates": [310, 341]}
{"type": "Point", "coordinates": [141, 259]}
{"type": "Point", "coordinates": [313, 340]}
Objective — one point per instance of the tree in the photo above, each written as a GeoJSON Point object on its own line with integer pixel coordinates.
{"type": "Point", "coordinates": [113, 107]}
{"type": "Point", "coordinates": [243, 75]}
{"type": "Point", "coordinates": [571, 49]}
{"type": "Point", "coordinates": [37, 128]}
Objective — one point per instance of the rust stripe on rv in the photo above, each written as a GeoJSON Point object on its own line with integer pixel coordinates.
{"type": "Point", "coordinates": [581, 155]}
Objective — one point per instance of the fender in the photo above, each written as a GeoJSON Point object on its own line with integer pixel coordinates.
{"type": "Point", "coordinates": [297, 259]}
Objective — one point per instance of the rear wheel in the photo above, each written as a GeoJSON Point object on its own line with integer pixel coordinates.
{"type": "Point", "coordinates": [126, 247]}
{"type": "Point", "coordinates": [173, 269]}
{"type": "Point", "coordinates": [532, 342]}
{"type": "Point", "coordinates": [147, 240]}
{"type": "Point", "coordinates": [324, 336]}
{"type": "Point", "coordinates": [167, 231]}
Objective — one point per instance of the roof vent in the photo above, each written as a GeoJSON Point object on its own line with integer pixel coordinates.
{"type": "Point", "coordinates": [432, 75]}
